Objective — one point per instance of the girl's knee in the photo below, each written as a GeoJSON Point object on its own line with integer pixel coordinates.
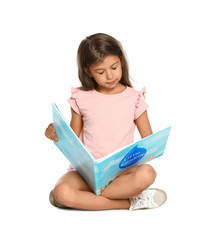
{"type": "Point", "coordinates": [149, 174]}
{"type": "Point", "coordinates": [64, 194]}
{"type": "Point", "coordinates": [146, 175]}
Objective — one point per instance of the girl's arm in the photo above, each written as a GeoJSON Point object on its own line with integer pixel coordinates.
{"type": "Point", "coordinates": [76, 122]}
{"type": "Point", "coordinates": [143, 125]}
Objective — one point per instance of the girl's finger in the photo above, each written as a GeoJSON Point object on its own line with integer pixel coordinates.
{"type": "Point", "coordinates": [49, 134]}
{"type": "Point", "coordinates": [51, 127]}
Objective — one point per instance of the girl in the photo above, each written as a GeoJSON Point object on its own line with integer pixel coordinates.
{"type": "Point", "coordinates": [104, 113]}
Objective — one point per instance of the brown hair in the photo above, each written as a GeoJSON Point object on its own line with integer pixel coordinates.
{"type": "Point", "coordinates": [94, 49]}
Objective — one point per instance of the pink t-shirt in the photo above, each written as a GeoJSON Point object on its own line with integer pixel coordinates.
{"type": "Point", "coordinates": [108, 120]}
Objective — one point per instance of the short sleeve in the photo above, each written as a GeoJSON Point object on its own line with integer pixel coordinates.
{"type": "Point", "coordinates": [140, 105]}
{"type": "Point", "coordinates": [74, 99]}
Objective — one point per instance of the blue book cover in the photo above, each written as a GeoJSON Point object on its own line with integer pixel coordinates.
{"type": "Point", "coordinates": [101, 172]}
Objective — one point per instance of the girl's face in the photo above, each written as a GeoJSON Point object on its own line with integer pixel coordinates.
{"type": "Point", "coordinates": [107, 74]}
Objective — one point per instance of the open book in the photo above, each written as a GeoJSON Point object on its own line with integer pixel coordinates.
{"type": "Point", "coordinates": [101, 172]}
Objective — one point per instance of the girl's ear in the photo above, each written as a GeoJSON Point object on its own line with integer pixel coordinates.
{"type": "Point", "coordinates": [87, 71]}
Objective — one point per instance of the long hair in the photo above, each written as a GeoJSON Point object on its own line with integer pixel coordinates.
{"type": "Point", "coordinates": [94, 49]}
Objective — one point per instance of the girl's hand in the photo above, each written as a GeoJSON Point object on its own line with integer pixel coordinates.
{"type": "Point", "coordinates": [51, 133]}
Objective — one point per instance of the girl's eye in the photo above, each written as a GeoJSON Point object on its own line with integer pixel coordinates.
{"type": "Point", "coordinates": [114, 68]}
{"type": "Point", "coordinates": [100, 73]}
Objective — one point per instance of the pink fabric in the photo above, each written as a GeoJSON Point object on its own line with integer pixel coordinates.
{"type": "Point", "coordinates": [108, 119]}
{"type": "Point", "coordinates": [71, 168]}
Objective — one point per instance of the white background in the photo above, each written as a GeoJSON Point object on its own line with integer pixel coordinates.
{"type": "Point", "coordinates": [165, 42]}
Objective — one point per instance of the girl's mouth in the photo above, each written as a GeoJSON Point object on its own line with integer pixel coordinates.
{"type": "Point", "coordinates": [111, 83]}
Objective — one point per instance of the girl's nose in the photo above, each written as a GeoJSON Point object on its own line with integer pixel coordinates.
{"type": "Point", "coordinates": [109, 75]}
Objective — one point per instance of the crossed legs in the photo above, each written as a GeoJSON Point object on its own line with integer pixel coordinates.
{"type": "Point", "coordinates": [72, 191]}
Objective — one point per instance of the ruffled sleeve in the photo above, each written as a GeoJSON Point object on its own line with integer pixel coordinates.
{"type": "Point", "coordinates": [74, 100]}
{"type": "Point", "coordinates": [140, 105]}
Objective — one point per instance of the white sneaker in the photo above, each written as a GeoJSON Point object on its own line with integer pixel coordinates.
{"type": "Point", "coordinates": [149, 198]}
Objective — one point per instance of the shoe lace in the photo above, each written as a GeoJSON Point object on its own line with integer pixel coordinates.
{"type": "Point", "coordinates": [144, 200]}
